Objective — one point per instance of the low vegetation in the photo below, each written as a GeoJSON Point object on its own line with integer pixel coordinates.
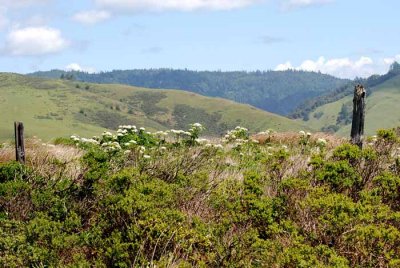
{"type": "Point", "coordinates": [173, 199]}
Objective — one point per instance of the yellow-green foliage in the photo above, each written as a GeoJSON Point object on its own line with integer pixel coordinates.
{"type": "Point", "coordinates": [143, 200]}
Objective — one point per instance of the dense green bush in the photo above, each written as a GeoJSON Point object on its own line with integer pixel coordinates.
{"type": "Point", "coordinates": [12, 171]}
{"type": "Point", "coordinates": [139, 199]}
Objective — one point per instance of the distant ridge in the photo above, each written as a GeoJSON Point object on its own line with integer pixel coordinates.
{"type": "Point", "coordinates": [280, 92]}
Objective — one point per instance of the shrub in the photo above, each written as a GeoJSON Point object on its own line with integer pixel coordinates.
{"type": "Point", "coordinates": [12, 171]}
{"type": "Point", "coordinates": [388, 135]}
{"type": "Point", "coordinates": [141, 199]}
{"type": "Point", "coordinates": [338, 175]}
{"type": "Point", "coordinates": [387, 186]}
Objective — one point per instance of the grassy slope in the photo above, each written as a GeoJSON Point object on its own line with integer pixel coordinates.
{"type": "Point", "coordinates": [52, 108]}
{"type": "Point", "coordinates": [382, 109]}
{"type": "Point", "coordinates": [276, 91]}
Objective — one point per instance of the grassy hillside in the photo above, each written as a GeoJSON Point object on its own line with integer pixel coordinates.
{"type": "Point", "coordinates": [372, 82]}
{"type": "Point", "coordinates": [382, 110]}
{"type": "Point", "coordinates": [279, 92]}
{"type": "Point", "coordinates": [52, 108]}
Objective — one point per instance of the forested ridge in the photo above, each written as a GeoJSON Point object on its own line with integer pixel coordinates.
{"type": "Point", "coordinates": [275, 91]}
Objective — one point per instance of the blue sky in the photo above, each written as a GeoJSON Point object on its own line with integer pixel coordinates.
{"type": "Point", "coordinates": [339, 37]}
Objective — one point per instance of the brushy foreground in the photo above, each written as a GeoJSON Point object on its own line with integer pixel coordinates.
{"type": "Point", "coordinates": [139, 199]}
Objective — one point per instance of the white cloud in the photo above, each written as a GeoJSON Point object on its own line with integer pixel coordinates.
{"type": "Point", "coordinates": [79, 68]}
{"type": "Point", "coordinates": [173, 5]}
{"type": "Point", "coordinates": [389, 61]}
{"type": "Point", "coordinates": [34, 41]}
{"type": "Point", "coordinates": [341, 67]}
{"type": "Point", "coordinates": [293, 4]}
{"type": "Point", "coordinates": [91, 16]}
{"type": "Point", "coordinates": [284, 66]}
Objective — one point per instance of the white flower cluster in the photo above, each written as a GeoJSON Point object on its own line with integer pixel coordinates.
{"type": "Point", "coordinates": [192, 133]}
{"type": "Point", "coordinates": [125, 129]}
{"type": "Point", "coordinates": [236, 135]}
{"type": "Point", "coordinates": [161, 134]}
{"type": "Point", "coordinates": [304, 134]}
{"type": "Point", "coordinates": [180, 132]}
{"type": "Point", "coordinates": [196, 127]}
{"type": "Point", "coordinates": [111, 146]}
{"type": "Point", "coordinates": [266, 133]}
{"type": "Point", "coordinates": [216, 146]}
{"type": "Point", "coordinates": [127, 138]}
{"type": "Point", "coordinates": [94, 140]}
{"type": "Point", "coordinates": [128, 127]}
{"type": "Point", "coordinates": [321, 142]}
{"type": "Point", "coordinates": [108, 135]}
{"type": "Point", "coordinates": [130, 143]}
{"type": "Point", "coordinates": [142, 152]}
{"type": "Point", "coordinates": [75, 138]}
{"type": "Point", "coordinates": [238, 143]}
{"type": "Point", "coordinates": [202, 141]}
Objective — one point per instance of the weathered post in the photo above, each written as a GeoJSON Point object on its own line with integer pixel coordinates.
{"type": "Point", "coordinates": [19, 142]}
{"type": "Point", "coordinates": [357, 127]}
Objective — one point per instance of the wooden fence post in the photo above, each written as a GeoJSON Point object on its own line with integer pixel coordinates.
{"type": "Point", "coordinates": [357, 127]}
{"type": "Point", "coordinates": [19, 142]}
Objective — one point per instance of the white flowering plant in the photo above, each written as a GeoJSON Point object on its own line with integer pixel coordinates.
{"type": "Point", "coordinates": [322, 143]}
{"type": "Point", "coordinates": [126, 137]}
{"type": "Point", "coordinates": [195, 130]}
{"type": "Point", "coordinates": [190, 137]}
{"type": "Point", "coordinates": [238, 135]}
{"type": "Point", "coordinates": [304, 138]}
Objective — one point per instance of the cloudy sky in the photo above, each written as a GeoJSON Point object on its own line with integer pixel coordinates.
{"type": "Point", "coordinates": [340, 37]}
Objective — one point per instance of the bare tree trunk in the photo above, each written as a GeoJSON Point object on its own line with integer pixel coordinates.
{"type": "Point", "coordinates": [357, 127]}
{"type": "Point", "coordinates": [19, 142]}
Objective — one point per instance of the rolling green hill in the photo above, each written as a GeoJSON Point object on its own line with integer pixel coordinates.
{"type": "Point", "coordinates": [372, 82]}
{"type": "Point", "coordinates": [382, 110]}
{"type": "Point", "coordinates": [280, 92]}
{"type": "Point", "coordinates": [52, 108]}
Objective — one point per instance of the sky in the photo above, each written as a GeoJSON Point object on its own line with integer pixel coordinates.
{"type": "Point", "coordinates": [345, 38]}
